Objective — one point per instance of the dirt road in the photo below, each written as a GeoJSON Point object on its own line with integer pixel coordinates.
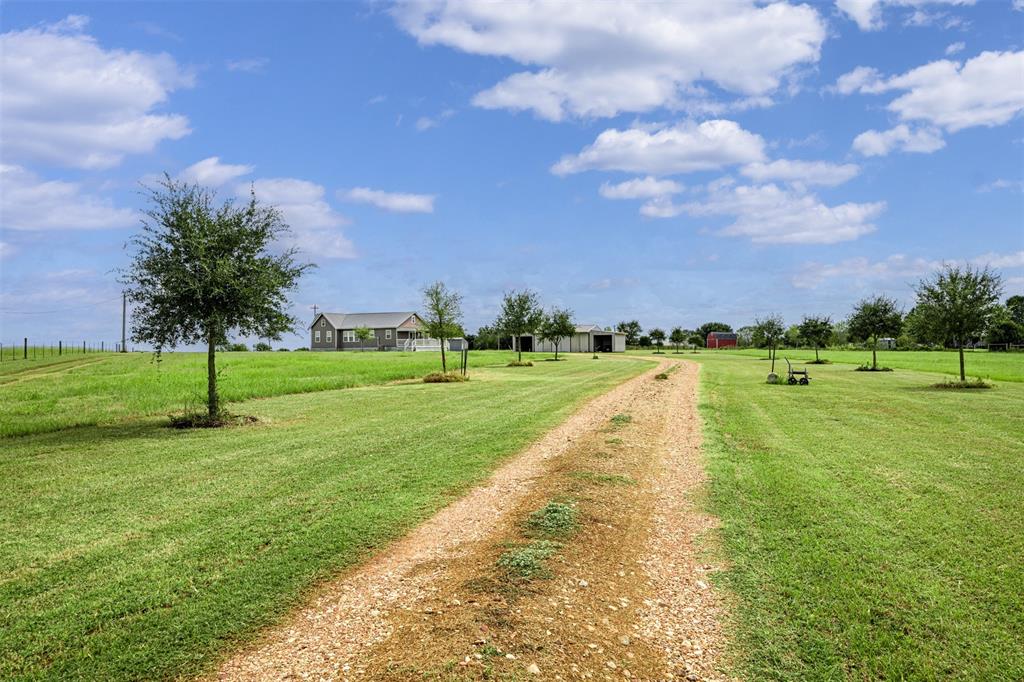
{"type": "Point", "coordinates": [616, 586]}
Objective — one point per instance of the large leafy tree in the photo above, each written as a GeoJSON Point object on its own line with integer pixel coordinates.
{"type": "Point", "coordinates": [677, 337]}
{"type": "Point", "coordinates": [632, 330]}
{"type": "Point", "coordinates": [658, 337]}
{"type": "Point", "coordinates": [520, 314]}
{"type": "Point", "coordinates": [1015, 304]}
{"type": "Point", "coordinates": [555, 326]}
{"type": "Point", "coordinates": [816, 331]}
{"type": "Point", "coordinates": [956, 303]}
{"type": "Point", "coordinates": [202, 270]}
{"type": "Point", "coordinates": [767, 332]}
{"type": "Point", "coordinates": [875, 318]}
{"type": "Point", "coordinates": [442, 315]}
{"type": "Point", "coordinates": [1003, 331]}
{"type": "Point", "coordinates": [709, 327]}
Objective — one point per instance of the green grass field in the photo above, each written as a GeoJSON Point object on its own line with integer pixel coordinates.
{"type": "Point", "coordinates": [998, 366]}
{"type": "Point", "coordinates": [79, 390]}
{"type": "Point", "coordinates": [134, 551]}
{"type": "Point", "coordinates": [874, 526]}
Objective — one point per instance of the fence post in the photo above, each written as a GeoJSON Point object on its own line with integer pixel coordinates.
{"type": "Point", "coordinates": [83, 346]}
{"type": "Point", "coordinates": [60, 348]}
{"type": "Point", "coordinates": [26, 348]}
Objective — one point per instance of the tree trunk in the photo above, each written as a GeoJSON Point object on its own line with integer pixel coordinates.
{"type": "Point", "coordinates": [557, 341]}
{"type": "Point", "coordinates": [444, 363]}
{"type": "Point", "coordinates": [874, 354]}
{"type": "Point", "coordinates": [816, 358]}
{"type": "Point", "coordinates": [962, 377]}
{"type": "Point", "coordinates": [212, 401]}
{"type": "Point", "coordinates": [519, 347]}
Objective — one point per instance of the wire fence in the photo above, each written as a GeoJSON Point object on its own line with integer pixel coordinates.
{"type": "Point", "coordinates": [28, 350]}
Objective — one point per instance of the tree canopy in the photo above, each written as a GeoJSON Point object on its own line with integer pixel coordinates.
{"type": "Point", "coordinates": [956, 304]}
{"type": "Point", "coordinates": [202, 271]}
{"type": "Point", "coordinates": [442, 315]}
{"type": "Point", "coordinates": [632, 330]}
{"type": "Point", "coordinates": [555, 326]}
{"type": "Point", "coordinates": [767, 332]}
{"type": "Point", "coordinates": [520, 314]}
{"type": "Point", "coordinates": [658, 337]}
{"type": "Point", "coordinates": [875, 318]}
{"type": "Point", "coordinates": [677, 337]}
{"type": "Point", "coordinates": [709, 327]}
{"type": "Point", "coordinates": [816, 331]}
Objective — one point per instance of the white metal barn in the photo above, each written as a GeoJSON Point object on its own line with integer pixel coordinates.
{"type": "Point", "coordinates": [589, 338]}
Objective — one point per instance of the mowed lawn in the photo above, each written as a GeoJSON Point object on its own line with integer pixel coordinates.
{"type": "Point", "coordinates": [874, 526]}
{"type": "Point", "coordinates": [134, 551]}
{"type": "Point", "coordinates": [77, 390]}
{"type": "Point", "coordinates": [998, 366]}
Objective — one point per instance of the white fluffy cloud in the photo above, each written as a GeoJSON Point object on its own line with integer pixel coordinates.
{"type": "Point", "coordinates": [212, 173]}
{"type": "Point", "coordinates": [683, 148]}
{"type": "Point", "coordinates": [902, 138]}
{"type": "Point", "coordinates": [769, 214]}
{"type": "Point", "coordinates": [397, 202]}
{"type": "Point", "coordinates": [29, 203]}
{"type": "Point", "coordinates": [987, 90]}
{"type": "Point", "coordinates": [868, 13]}
{"type": "Point", "coordinates": [896, 267]}
{"type": "Point", "coordinates": [316, 227]}
{"type": "Point", "coordinates": [640, 188]}
{"type": "Point", "coordinates": [955, 48]}
{"type": "Point", "coordinates": [601, 59]}
{"type": "Point", "coordinates": [802, 172]}
{"type": "Point", "coordinates": [70, 102]}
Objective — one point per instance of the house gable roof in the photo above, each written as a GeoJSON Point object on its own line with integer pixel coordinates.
{"type": "Point", "coordinates": [371, 320]}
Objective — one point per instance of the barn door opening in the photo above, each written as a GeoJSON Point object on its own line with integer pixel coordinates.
{"type": "Point", "coordinates": [526, 344]}
{"type": "Point", "coordinates": [602, 343]}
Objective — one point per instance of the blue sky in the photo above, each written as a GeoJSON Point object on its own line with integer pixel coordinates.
{"type": "Point", "coordinates": [670, 163]}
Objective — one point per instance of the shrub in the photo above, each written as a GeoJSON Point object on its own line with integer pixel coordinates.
{"type": "Point", "coordinates": [282, 350]}
{"type": "Point", "coordinates": [444, 378]}
{"type": "Point", "coordinates": [262, 347]}
{"type": "Point", "coordinates": [203, 420]}
{"type": "Point", "coordinates": [968, 384]}
{"type": "Point", "coordinates": [661, 376]}
{"type": "Point", "coordinates": [554, 518]}
{"type": "Point", "coordinates": [520, 363]}
{"type": "Point", "coordinates": [301, 349]}
{"type": "Point", "coordinates": [527, 561]}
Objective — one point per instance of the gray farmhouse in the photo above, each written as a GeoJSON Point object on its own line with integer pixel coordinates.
{"type": "Point", "coordinates": [391, 331]}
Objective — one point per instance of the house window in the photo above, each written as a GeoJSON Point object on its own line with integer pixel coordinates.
{"type": "Point", "coordinates": [316, 336]}
{"type": "Point", "coordinates": [348, 335]}
{"type": "Point", "coordinates": [387, 333]}
{"type": "Point", "coordinates": [330, 337]}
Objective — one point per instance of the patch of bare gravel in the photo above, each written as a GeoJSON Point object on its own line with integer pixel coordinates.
{"type": "Point", "coordinates": [349, 615]}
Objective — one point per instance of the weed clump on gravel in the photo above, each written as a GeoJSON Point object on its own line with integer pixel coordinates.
{"type": "Point", "coordinates": [527, 561]}
{"type": "Point", "coordinates": [661, 376]}
{"type": "Point", "coordinates": [621, 420]}
{"type": "Point", "coordinates": [554, 518]}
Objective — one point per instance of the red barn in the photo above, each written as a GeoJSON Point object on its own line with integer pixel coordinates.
{"type": "Point", "coordinates": [721, 340]}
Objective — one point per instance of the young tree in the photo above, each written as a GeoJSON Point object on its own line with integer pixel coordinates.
{"type": "Point", "coordinates": [658, 337]}
{"type": "Point", "coordinates": [364, 334]}
{"type": "Point", "coordinates": [442, 315]}
{"type": "Point", "coordinates": [872, 319]}
{"type": "Point", "coordinates": [677, 337]}
{"type": "Point", "coordinates": [201, 271]}
{"type": "Point", "coordinates": [697, 341]}
{"type": "Point", "coordinates": [557, 325]}
{"type": "Point", "coordinates": [644, 341]}
{"type": "Point", "coordinates": [520, 314]}
{"type": "Point", "coordinates": [816, 331]}
{"type": "Point", "coordinates": [768, 331]}
{"type": "Point", "coordinates": [956, 304]}
{"type": "Point", "coordinates": [632, 330]}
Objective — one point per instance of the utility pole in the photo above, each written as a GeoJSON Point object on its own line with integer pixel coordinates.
{"type": "Point", "coordinates": [315, 308]}
{"type": "Point", "coordinates": [124, 312]}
